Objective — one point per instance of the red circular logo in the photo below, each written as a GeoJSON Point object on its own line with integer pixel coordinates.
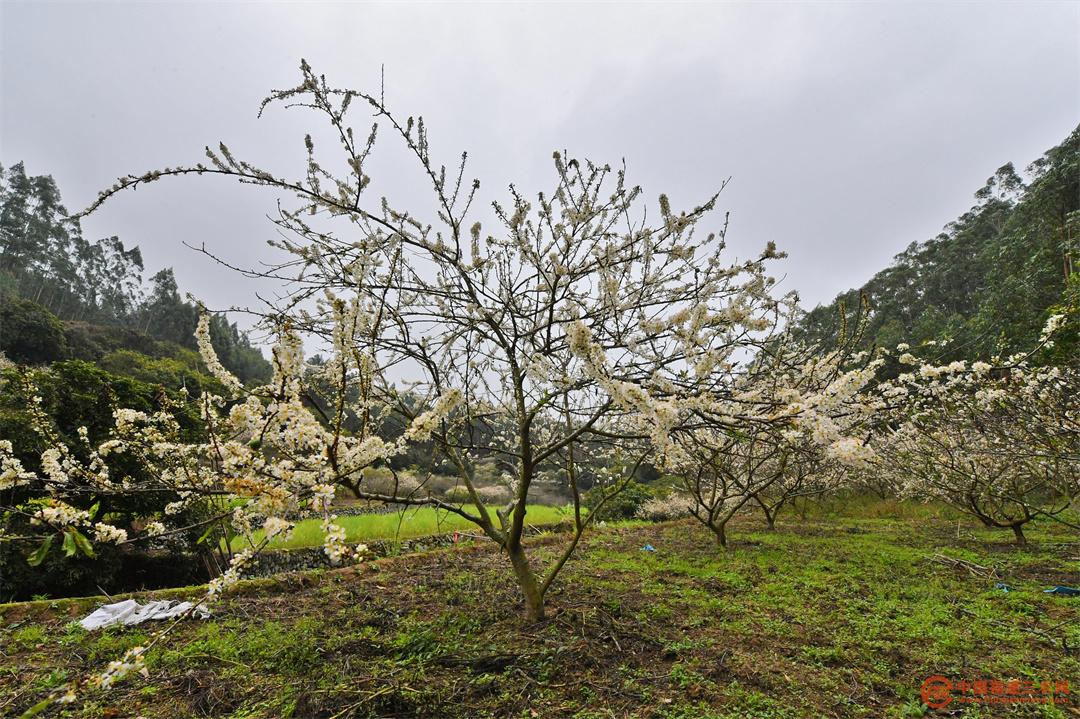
{"type": "Point", "coordinates": [936, 692]}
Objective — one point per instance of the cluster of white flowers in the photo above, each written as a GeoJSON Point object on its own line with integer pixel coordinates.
{"type": "Point", "coordinates": [334, 541]}
{"type": "Point", "coordinates": [928, 371]}
{"type": "Point", "coordinates": [58, 514]}
{"type": "Point", "coordinates": [322, 496]}
{"type": "Point", "coordinates": [273, 526]}
{"type": "Point", "coordinates": [127, 419]}
{"type": "Point", "coordinates": [52, 464]}
{"type": "Point", "coordinates": [220, 584]}
{"type": "Point", "coordinates": [12, 473]}
{"type": "Point", "coordinates": [174, 508]}
{"type": "Point", "coordinates": [1053, 324]}
{"type": "Point", "coordinates": [210, 358]}
{"type": "Point", "coordinates": [420, 429]}
{"type": "Point", "coordinates": [851, 452]}
{"type": "Point", "coordinates": [154, 529]}
{"type": "Point", "coordinates": [134, 660]}
{"type": "Point", "coordinates": [106, 533]}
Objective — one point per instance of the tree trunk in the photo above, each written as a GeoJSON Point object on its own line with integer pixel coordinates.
{"type": "Point", "coordinates": [770, 516]}
{"type": "Point", "coordinates": [1018, 530]}
{"type": "Point", "coordinates": [721, 535]}
{"type": "Point", "coordinates": [530, 588]}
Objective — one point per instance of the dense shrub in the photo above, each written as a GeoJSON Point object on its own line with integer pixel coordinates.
{"type": "Point", "coordinates": [174, 373]}
{"type": "Point", "coordinates": [494, 494]}
{"type": "Point", "coordinates": [624, 505]}
{"type": "Point", "coordinates": [91, 342]}
{"type": "Point", "coordinates": [58, 575]}
{"type": "Point", "coordinates": [29, 333]}
{"type": "Point", "coordinates": [458, 494]}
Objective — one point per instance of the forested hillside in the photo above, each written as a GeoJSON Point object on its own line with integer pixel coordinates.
{"type": "Point", "coordinates": [82, 335]}
{"type": "Point", "coordinates": [988, 282]}
{"type": "Point", "coordinates": [63, 296]}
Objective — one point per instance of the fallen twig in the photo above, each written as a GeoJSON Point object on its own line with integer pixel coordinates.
{"type": "Point", "coordinates": [975, 569]}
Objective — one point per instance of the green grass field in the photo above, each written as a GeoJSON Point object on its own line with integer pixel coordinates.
{"type": "Point", "coordinates": [835, 615]}
{"type": "Point", "coordinates": [417, 522]}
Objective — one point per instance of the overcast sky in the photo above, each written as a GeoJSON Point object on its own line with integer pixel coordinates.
{"type": "Point", "coordinates": [849, 130]}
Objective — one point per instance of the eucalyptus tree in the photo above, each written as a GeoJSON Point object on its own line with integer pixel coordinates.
{"type": "Point", "coordinates": [35, 240]}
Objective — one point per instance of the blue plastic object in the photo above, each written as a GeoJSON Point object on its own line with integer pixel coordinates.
{"type": "Point", "coordinates": [1002, 586]}
{"type": "Point", "coordinates": [1067, 591]}
{"type": "Point", "coordinates": [651, 548]}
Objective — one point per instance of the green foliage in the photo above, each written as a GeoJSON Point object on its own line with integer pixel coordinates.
{"type": "Point", "coordinates": [235, 351]}
{"type": "Point", "coordinates": [48, 571]}
{"type": "Point", "coordinates": [624, 505]}
{"type": "Point", "coordinates": [180, 371]}
{"type": "Point", "coordinates": [1066, 347]}
{"type": "Point", "coordinates": [28, 637]}
{"type": "Point", "coordinates": [75, 393]}
{"type": "Point", "coordinates": [92, 342]}
{"type": "Point", "coordinates": [29, 333]}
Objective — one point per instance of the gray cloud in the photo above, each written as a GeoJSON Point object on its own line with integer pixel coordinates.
{"type": "Point", "coordinates": [850, 130]}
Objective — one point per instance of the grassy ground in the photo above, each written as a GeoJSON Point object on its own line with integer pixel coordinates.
{"type": "Point", "coordinates": [416, 522]}
{"type": "Point", "coordinates": [826, 617]}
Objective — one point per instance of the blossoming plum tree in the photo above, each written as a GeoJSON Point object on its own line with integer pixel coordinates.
{"type": "Point", "coordinates": [580, 332]}
{"type": "Point", "coordinates": [805, 474]}
{"type": "Point", "coordinates": [998, 441]}
{"type": "Point", "coordinates": [792, 410]}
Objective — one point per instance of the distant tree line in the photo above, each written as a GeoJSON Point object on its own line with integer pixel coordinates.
{"type": "Point", "coordinates": [990, 280]}
{"type": "Point", "coordinates": [57, 288]}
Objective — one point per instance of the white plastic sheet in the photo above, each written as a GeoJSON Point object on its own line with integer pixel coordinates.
{"type": "Point", "coordinates": [131, 612]}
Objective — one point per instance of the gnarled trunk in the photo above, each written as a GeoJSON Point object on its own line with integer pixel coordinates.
{"type": "Point", "coordinates": [1018, 531]}
{"type": "Point", "coordinates": [526, 579]}
{"type": "Point", "coordinates": [720, 533]}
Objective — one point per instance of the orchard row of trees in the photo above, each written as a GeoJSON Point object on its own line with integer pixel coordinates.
{"type": "Point", "coordinates": [581, 334]}
{"type": "Point", "coordinates": [999, 442]}
{"type": "Point", "coordinates": [52, 276]}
